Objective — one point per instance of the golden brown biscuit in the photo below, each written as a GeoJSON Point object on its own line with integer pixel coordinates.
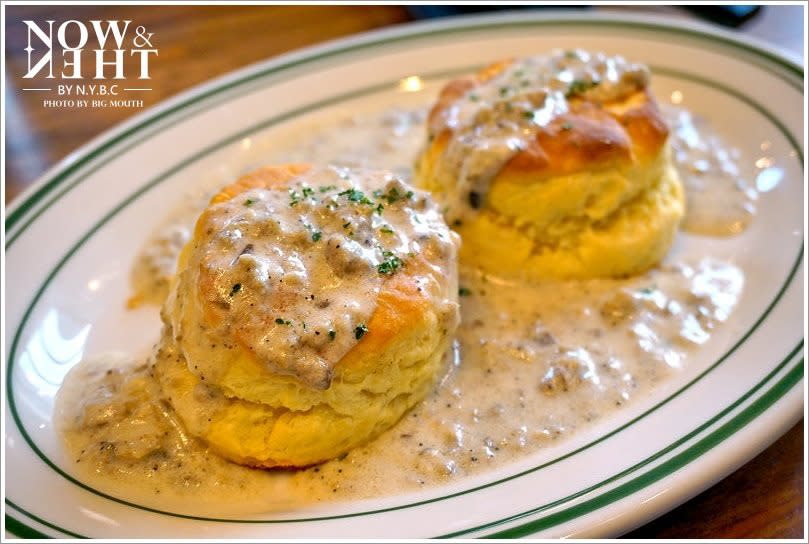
{"type": "Point", "coordinates": [311, 309]}
{"type": "Point", "coordinates": [545, 153]}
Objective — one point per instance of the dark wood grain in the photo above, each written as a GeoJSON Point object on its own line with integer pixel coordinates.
{"type": "Point", "coordinates": [763, 499]}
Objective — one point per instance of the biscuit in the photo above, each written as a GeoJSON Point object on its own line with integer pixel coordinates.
{"type": "Point", "coordinates": [554, 166]}
{"type": "Point", "coordinates": [327, 383]}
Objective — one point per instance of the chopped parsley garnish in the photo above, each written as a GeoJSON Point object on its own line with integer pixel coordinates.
{"type": "Point", "coordinates": [571, 54]}
{"type": "Point", "coordinates": [379, 208]}
{"type": "Point", "coordinates": [391, 264]}
{"type": "Point", "coordinates": [648, 290]}
{"type": "Point", "coordinates": [249, 202]}
{"type": "Point", "coordinates": [385, 229]}
{"type": "Point", "coordinates": [327, 188]}
{"type": "Point", "coordinates": [346, 224]}
{"type": "Point", "coordinates": [282, 321]}
{"type": "Point", "coordinates": [316, 234]}
{"type": "Point", "coordinates": [359, 331]}
{"type": "Point", "coordinates": [393, 195]}
{"type": "Point", "coordinates": [528, 115]}
{"type": "Point", "coordinates": [294, 197]}
{"type": "Point", "coordinates": [308, 191]}
{"type": "Point", "coordinates": [567, 126]}
{"type": "Point", "coordinates": [579, 86]}
{"type": "Point", "coordinates": [355, 195]}
{"type": "Point", "coordinates": [235, 289]}
{"type": "Point", "coordinates": [332, 334]}
{"type": "Point", "coordinates": [473, 97]}
{"type": "Point", "coordinates": [504, 91]}
{"type": "Point", "coordinates": [464, 291]}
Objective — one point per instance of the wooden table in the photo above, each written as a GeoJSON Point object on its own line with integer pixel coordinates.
{"type": "Point", "coordinates": [763, 499]}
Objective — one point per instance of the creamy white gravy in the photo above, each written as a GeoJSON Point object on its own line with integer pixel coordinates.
{"type": "Point", "coordinates": [125, 439]}
{"type": "Point", "coordinates": [531, 365]}
{"type": "Point", "coordinates": [719, 199]}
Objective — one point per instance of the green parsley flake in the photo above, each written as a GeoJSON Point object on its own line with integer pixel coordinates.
{"type": "Point", "coordinates": [393, 195]}
{"type": "Point", "coordinates": [355, 195]}
{"type": "Point", "coordinates": [385, 229]}
{"type": "Point", "coordinates": [391, 264]}
{"type": "Point", "coordinates": [464, 291]}
{"type": "Point", "coordinates": [282, 321]}
{"type": "Point", "coordinates": [316, 235]}
{"type": "Point", "coordinates": [235, 289]}
{"type": "Point", "coordinates": [249, 202]}
{"type": "Point", "coordinates": [579, 86]}
{"type": "Point", "coordinates": [332, 334]}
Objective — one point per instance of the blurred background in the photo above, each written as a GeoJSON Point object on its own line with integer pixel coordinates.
{"type": "Point", "coordinates": [196, 43]}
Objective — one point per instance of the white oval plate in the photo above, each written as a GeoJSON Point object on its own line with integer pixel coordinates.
{"type": "Point", "coordinates": [71, 239]}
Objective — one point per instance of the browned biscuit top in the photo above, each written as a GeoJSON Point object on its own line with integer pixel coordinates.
{"type": "Point", "coordinates": [545, 116]}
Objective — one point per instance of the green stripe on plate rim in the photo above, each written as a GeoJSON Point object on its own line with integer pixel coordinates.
{"type": "Point", "coordinates": [21, 530]}
{"type": "Point", "coordinates": [703, 445]}
{"type": "Point", "coordinates": [26, 531]}
{"type": "Point", "coordinates": [263, 124]}
{"type": "Point", "coordinates": [40, 194]}
{"type": "Point", "coordinates": [788, 72]}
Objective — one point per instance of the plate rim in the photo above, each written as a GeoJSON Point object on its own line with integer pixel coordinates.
{"type": "Point", "coordinates": [239, 77]}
